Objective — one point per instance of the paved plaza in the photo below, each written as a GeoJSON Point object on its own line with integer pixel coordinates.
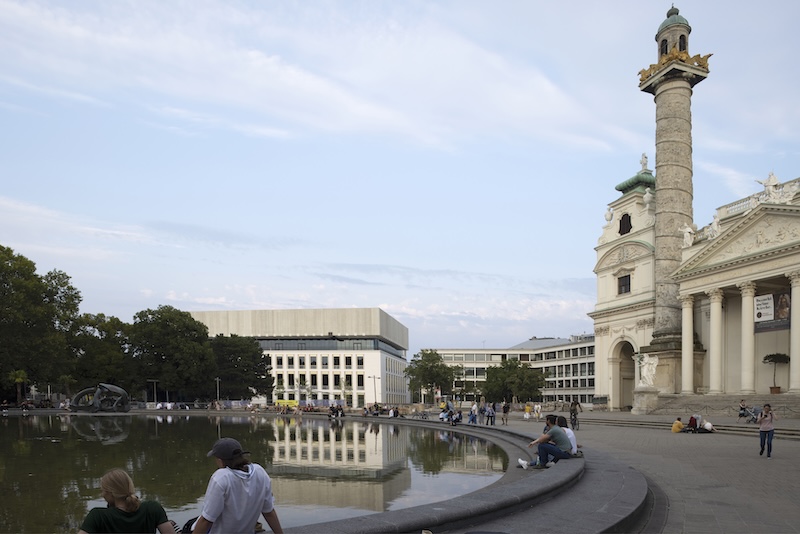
{"type": "Point", "coordinates": [703, 482]}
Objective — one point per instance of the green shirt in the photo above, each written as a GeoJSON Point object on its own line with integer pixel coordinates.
{"type": "Point", "coordinates": [560, 438]}
{"type": "Point", "coordinates": [145, 520]}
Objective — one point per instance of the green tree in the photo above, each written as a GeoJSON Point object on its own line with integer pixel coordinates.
{"type": "Point", "coordinates": [36, 313]}
{"type": "Point", "coordinates": [510, 379]}
{"type": "Point", "coordinates": [170, 346]}
{"type": "Point", "coordinates": [102, 352]}
{"type": "Point", "coordinates": [427, 370]}
{"type": "Point", "coordinates": [241, 367]}
{"type": "Point", "coordinates": [18, 377]}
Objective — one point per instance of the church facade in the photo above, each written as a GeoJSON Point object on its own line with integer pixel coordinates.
{"type": "Point", "coordinates": [687, 310]}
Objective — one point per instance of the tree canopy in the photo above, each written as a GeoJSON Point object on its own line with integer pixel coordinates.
{"type": "Point", "coordinates": [512, 378]}
{"type": "Point", "coordinates": [428, 371]}
{"type": "Point", "coordinates": [241, 367]}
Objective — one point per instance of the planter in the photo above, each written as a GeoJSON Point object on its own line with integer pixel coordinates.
{"type": "Point", "coordinates": [774, 390]}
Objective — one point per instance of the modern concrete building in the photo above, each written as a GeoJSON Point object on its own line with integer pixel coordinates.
{"type": "Point", "coordinates": [355, 355]}
{"type": "Point", "coordinates": [568, 366]}
{"type": "Point", "coordinates": [682, 310]}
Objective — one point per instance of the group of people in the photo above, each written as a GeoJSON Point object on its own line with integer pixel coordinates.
{"type": "Point", "coordinates": [557, 442]}
{"type": "Point", "coordinates": [765, 421]}
{"type": "Point", "coordinates": [238, 493]}
{"type": "Point", "coordinates": [534, 411]}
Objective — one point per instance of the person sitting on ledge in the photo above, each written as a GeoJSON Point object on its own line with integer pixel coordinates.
{"type": "Point", "coordinates": [553, 443]}
{"type": "Point", "coordinates": [678, 426]}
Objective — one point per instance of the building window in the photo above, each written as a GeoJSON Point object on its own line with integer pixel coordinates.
{"type": "Point", "coordinates": [664, 47]}
{"type": "Point", "coordinates": [360, 381]}
{"type": "Point", "coordinates": [325, 382]}
{"type": "Point", "coordinates": [624, 284]}
{"type": "Point", "coordinates": [279, 361]}
{"type": "Point", "coordinates": [348, 362]}
{"type": "Point", "coordinates": [336, 381]}
{"type": "Point", "coordinates": [313, 361]}
{"type": "Point", "coordinates": [279, 346]}
{"type": "Point", "coordinates": [302, 361]}
{"type": "Point", "coordinates": [290, 361]}
{"type": "Point", "coordinates": [356, 345]}
{"type": "Point", "coordinates": [335, 362]}
{"type": "Point", "coordinates": [314, 380]}
{"type": "Point", "coordinates": [324, 362]}
{"type": "Point", "coordinates": [682, 43]}
{"type": "Point", "coordinates": [625, 224]}
{"type": "Point", "coordinates": [360, 362]}
{"type": "Point", "coordinates": [291, 380]}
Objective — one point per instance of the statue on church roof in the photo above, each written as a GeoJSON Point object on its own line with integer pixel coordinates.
{"type": "Point", "coordinates": [688, 235]}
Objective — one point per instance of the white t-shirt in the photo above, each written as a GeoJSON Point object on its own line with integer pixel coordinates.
{"type": "Point", "coordinates": [572, 440]}
{"type": "Point", "coordinates": [235, 499]}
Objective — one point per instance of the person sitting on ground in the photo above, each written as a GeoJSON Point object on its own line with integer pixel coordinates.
{"type": "Point", "coordinates": [562, 422]}
{"type": "Point", "coordinates": [678, 426]}
{"type": "Point", "coordinates": [125, 512]}
{"type": "Point", "coordinates": [553, 443]}
{"type": "Point", "coordinates": [742, 410]}
{"type": "Point", "coordinates": [706, 427]}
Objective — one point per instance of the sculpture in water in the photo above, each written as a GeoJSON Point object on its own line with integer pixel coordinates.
{"type": "Point", "coordinates": [102, 398]}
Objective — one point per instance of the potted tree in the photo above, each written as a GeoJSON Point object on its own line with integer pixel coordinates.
{"type": "Point", "coordinates": [775, 359]}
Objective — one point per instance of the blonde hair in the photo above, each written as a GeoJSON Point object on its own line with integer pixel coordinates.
{"type": "Point", "coordinates": [117, 483]}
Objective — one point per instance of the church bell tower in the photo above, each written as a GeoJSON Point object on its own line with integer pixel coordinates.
{"type": "Point", "coordinates": [670, 80]}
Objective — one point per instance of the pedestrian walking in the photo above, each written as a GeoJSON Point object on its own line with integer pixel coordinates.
{"type": "Point", "coordinates": [766, 429]}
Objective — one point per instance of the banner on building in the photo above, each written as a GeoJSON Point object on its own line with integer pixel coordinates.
{"type": "Point", "coordinates": [773, 312]}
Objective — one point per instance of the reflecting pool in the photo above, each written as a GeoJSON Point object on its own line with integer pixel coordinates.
{"type": "Point", "coordinates": [50, 465]}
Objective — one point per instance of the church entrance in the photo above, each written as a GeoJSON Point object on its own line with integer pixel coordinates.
{"type": "Point", "coordinates": [627, 376]}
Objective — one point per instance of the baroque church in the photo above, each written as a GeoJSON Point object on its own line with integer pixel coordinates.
{"type": "Point", "coordinates": [688, 310]}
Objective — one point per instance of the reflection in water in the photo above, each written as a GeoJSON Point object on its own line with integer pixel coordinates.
{"type": "Point", "coordinates": [321, 470]}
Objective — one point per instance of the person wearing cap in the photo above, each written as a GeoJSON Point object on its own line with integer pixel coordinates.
{"type": "Point", "coordinates": [238, 492]}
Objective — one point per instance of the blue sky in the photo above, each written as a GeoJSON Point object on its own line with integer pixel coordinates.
{"type": "Point", "coordinates": [449, 162]}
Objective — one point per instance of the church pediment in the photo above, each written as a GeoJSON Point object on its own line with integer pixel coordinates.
{"type": "Point", "coordinates": [769, 231]}
{"type": "Point", "coordinates": [622, 254]}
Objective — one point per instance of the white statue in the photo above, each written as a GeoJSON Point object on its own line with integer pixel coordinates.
{"type": "Point", "coordinates": [688, 235]}
{"type": "Point", "coordinates": [609, 215]}
{"type": "Point", "coordinates": [770, 187]}
{"type": "Point", "coordinates": [647, 370]}
{"type": "Point", "coordinates": [647, 198]}
{"type": "Point", "coordinates": [643, 161]}
{"type": "Point", "coordinates": [713, 229]}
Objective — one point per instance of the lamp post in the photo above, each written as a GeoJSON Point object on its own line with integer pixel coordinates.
{"type": "Point", "coordinates": [154, 381]}
{"type": "Point", "coordinates": [374, 387]}
{"type": "Point", "coordinates": [217, 381]}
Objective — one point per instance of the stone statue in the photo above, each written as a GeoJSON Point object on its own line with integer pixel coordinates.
{"type": "Point", "coordinates": [770, 187]}
{"type": "Point", "coordinates": [713, 229]}
{"type": "Point", "coordinates": [643, 161]}
{"type": "Point", "coordinates": [647, 198]}
{"type": "Point", "coordinates": [609, 215]}
{"type": "Point", "coordinates": [688, 235]}
{"type": "Point", "coordinates": [647, 370]}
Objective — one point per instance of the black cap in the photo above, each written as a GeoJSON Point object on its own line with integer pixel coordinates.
{"type": "Point", "coordinates": [227, 449]}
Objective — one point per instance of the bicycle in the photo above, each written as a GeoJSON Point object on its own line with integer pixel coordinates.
{"type": "Point", "coordinates": [573, 421]}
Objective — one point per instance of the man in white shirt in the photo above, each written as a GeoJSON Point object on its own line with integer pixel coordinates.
{"type": "Point", "coordinates": [238, 492]}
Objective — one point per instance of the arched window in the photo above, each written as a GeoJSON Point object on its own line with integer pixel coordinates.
{"type": "Point", "coordinates": [625, 224]}
{"type": "Point", "coordinates": [682, 43]}
{"type": "Point", "coordinates": [664, 47]}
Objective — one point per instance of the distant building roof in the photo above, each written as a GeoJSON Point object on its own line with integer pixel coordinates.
{"type": "Point", "coordinates": [541, 343]}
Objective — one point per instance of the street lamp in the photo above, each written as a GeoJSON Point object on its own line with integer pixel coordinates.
{"type": "Point", "coordinates": [374, 389]}
{"type": "Point", "coordinates": [217, 381]}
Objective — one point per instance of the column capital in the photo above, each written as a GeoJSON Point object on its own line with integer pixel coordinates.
{"type": "Point", "coordinates": [687, 301]}
{"type": "Point", "coordinates": [794, 278]}
{"type": "Point", "coordinates": [748, 288]}
{"type": "Point", "coordinates": [715, 295]}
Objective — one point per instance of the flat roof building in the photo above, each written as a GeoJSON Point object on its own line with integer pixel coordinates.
{"type": "Point", "coordinates": [321, 356]}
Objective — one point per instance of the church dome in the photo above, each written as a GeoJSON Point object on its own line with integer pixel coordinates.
{"type": "Point", "coordinates": [673, 18]}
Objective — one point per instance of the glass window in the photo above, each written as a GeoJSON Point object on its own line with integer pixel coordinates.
{"type": "Point", "coordinates": [301, 346]}
{"type": "Point", "coordinates": [301, 361]}
{"type": "Point", "coordinates": [313, 380]}
{"type": "Point", "coordinates": [290, 361]}
{"type": "Point", "coordinates": [624, 284]}
{"type": "Point", "coordinates": [291, 381]}
{"type": "Point", "coordinates": [313, 361]}
{"type": "Point", "coordinates": [324, 362]}
{"type": "Point", "coordinates": [337, 380]}
{"type": "Point", "coordinates": [360, 362]}
{"type": "Point", "coordinates": [348, 362]}
{"type": "Point", "coordinates": [279, 361]}
{"type": "Point", "coordinates": [335, 362]}
{"type": "Point", "coordinates": [325, 382]}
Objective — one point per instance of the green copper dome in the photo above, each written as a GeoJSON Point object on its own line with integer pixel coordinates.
{"type": "Point", "coordinates": [673, 18]}
{"type": "Point", "coordinates": [639, 182]}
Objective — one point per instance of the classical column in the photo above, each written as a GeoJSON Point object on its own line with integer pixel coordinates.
{"type": "Point", "coordinates": [794, 334]}
{"type": "Point", "coordinates": [614, 389]}
{"type": "Point", "coordinates": [715, 342]}
{"type": "Point", "coordinates": [748, 344]}
{"type": "Point", "coordinates": [687, 345]}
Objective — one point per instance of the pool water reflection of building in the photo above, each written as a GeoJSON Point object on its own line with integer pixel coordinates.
{"type": "Point", "coordinates": [50, 466]}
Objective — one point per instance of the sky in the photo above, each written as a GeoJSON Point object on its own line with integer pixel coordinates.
{"type": "Point", "coordinates": [449, 162]}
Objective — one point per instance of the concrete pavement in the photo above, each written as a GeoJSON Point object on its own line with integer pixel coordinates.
{"type": "Point", "coordinates": [701, 483]}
